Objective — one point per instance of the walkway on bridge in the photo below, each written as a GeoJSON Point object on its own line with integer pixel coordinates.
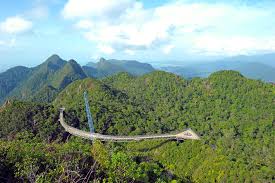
{"type": "Point", "coordinates": [187, 134]}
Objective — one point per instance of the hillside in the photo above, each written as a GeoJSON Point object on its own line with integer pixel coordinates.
{"type": "Point", "coordinates": [105, 68]}
{"type": "Point", "coordinates": [258, 71]}
{"type": "Point", "coordinates": [233, 115]}
{"type": "Point", "coordinates": [10, 79]}
{"type": "Point", "coordinates": [70, 72]}
{"type": "Point", "coordinates": [44, 82]}
{"type": "Point", "coordinates": [38, 77]}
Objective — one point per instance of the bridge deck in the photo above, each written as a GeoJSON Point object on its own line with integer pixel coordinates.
{"type": "Point", "coordinates": [187, 134]}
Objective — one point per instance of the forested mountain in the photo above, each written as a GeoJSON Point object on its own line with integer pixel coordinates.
{"type": "Point", "coordinates": [41, 83]}
{"type": "Point", "coordinates": [10, 79]}
{"type": "Point", "coordinates": [105, 68]}
{"type": "Point", "coordinates": [233, 115]}
{"type": "Point", "coordinates": [39, 77]}
{"type": "Point", "coordinates": [70, 72]}
{"type": "Point", "coordinates": [253, 70]}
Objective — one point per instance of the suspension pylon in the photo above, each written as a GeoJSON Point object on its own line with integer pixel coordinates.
{"type": "Point", "coordinates": [88, 112]}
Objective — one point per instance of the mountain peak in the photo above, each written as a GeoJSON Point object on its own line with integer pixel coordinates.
{"type": "Point", "coordinates": [102, 59]}
{"type": "Point", "coordinates": [72, 61]}
{"type": "Point", "coordinates": [54, 62]}
{"type": "Point", "coordinates": [226, 74]}
{"type": "Point", "coordinates": [54, 57]}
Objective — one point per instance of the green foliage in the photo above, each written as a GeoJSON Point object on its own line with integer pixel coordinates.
{"type": "Point", "coordinates": [41, 83]}
{"type": "Point", "coordinates": [120, 166]}
{"type": "Point", "coordinates": [45, 95]}
{"type": "Point", "coordinates": [33, 161]}
{"type": "Point", "coordinates": [39, 76]}
{"type": "Point", "coordinates": [38, 120]}
{"type": "Point", "coordinates": [101, 154]}
{"type": "Point", "coordinates": [69, 73]}
{"type": "Point", "coordinates": [233, 115]}
{"type": "Point", "coordinates": [11, 79]}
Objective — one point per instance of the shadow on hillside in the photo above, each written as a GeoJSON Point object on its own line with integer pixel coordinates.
{"type": "Point", "coordinates": [154, 147]}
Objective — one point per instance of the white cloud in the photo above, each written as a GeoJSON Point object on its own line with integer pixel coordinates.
{"type": "Point", "coordinates": [133, 31]}
{"type": "Point", "coordinates": [95, 8]}
{"type": "Point", "coordinates": [168, 48]}
{"type": "Point", "coordinates": [14, 25]}
{"type": "Point", "coordinates": [8, 43]}
{"type": "Point", "coordinates": [84, 24]}
{"type": "Point", "coordinates": [213, 45]}
{"type": "Point", "coordinates": [38, 12]}
{"type": "Point", "coordinates": [2, 43]}
{"type": "Point", "coordinates": [106, 49]}
{"type": "Point", "coordinates": [12, 42]}
{"type": "Point", "coordinates": [208, 28]}
{"type": "Point", "coordinates": [129, 52]}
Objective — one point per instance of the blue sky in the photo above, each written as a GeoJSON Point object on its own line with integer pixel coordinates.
{"type": "Point", "coordinates": [149, 31]}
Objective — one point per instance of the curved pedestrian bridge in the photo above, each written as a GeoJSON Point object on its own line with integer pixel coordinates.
{"type": "Point", "coordinates": [187, 134]}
